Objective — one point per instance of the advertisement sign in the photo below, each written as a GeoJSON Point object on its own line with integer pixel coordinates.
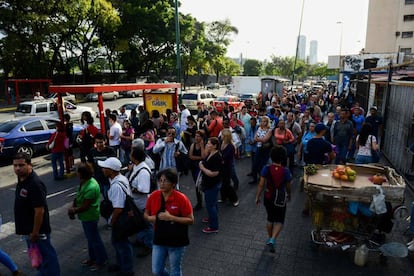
{"type": "Point", "coordinates": [355, 63]}
{"type": "Point", "coordinates": [160, 102]}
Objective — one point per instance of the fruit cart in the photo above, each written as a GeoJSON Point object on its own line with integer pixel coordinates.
{"type": "Point", "coordinates": [340, 199]}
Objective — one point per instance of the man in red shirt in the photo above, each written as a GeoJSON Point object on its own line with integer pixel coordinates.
{"type": "Point", "coordinates": [216, 124]}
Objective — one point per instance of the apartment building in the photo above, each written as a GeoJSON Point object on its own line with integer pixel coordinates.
{"type": "Point", "coordinates": [390, 27]}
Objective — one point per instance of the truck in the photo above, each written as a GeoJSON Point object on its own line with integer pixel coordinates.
{"type": "Point", "coordinates": [245, 85]}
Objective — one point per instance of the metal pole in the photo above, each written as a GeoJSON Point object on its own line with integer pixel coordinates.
{"type": "Point", "coordinates": [297, 43]}
{"type": "Point", "coordinates": [177, 42]}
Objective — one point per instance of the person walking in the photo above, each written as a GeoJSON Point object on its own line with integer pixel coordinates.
{"type": "Point", "coordinates": [277, 180]}
{"type": "Point", "coordinates": [114, 133]}
{"type": "Point", "coordinates": [228, 150]}
{"type": "Point", "coordinates": [365, 143]}
{"type": "Point", "coordinates": [211, 173]}
{"type": "Point", "coordinates": [262, 137]}
{"type": "Point", "coordinates": [197, 153]}
{"type": "Point", "coordinates": [171, 213]}
{"type": "Point", "coordinates": [69, 159]}
{"type": "Point", "coordinates": [56, 145]}
{"type": "Point", "coordinates": [127, 136]}
{"type": "Point", "coordinates": [86, 207]}
{"type": "Point", "coordinates": [117, 193]}
{"type": "Point", "coordinates": [140, 182]}
{"type": "Point", "coordinates": [343, 134]}
{"type": "Point", "coordinates": [9, 263]}
{"type": "Point", "coordinates": [31, 213]}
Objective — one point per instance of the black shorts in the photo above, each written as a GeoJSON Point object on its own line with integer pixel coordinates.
{"type": "Point", "coordinates": [275, 213]}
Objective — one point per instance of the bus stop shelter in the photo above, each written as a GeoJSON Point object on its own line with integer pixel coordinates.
{"type": "Point", "coordinates": [101, 88]}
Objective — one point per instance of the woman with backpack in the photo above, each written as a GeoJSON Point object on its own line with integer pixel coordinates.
{"type": "Point", "coordinates": [276, 180]}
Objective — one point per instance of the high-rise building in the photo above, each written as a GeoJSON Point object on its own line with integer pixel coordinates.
{"type": "Point", "coordinates": [302, 47]}
{"type": "Point", "coordinates": [390, 26]}
{"type": "Point", "coordinates": [313, 52]}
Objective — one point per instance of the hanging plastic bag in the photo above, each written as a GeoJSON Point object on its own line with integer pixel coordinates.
{"type": "Point", "coordinates": [35, 255]}
{"type": "Point", "coordinates": [378, 202]}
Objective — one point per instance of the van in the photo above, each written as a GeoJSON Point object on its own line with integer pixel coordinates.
{"type": "Point", "coordinates": [192, 100]}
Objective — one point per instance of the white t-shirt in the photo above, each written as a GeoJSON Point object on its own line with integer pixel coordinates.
{"type": "Point", "coordinates": [115, 131]}
{"type": "Point", "coordinates": [183, 122]}
{"type": "Point", "coordinates": [141, 182]}
{"type": "Point", "coordinates": [116, 193]}
{"type": "Point", "coordinates": [366, 149]}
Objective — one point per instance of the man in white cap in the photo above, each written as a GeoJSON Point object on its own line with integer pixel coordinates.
{"type": "Point", "coordinates": [119, 187]}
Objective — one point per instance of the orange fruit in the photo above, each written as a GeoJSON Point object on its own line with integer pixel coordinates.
{"type": "Point", "coordinates": [344, 177]}
{"type": "Point", "coordinates": [336, 175]}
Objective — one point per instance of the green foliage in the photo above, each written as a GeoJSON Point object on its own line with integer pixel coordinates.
{"type": "Point", "coordinates": [252, 67]}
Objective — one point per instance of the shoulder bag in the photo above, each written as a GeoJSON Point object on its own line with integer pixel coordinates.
{"type": "Point", "coordinates": [169, 233]}
{"type": "Point", "coordinates": [130, 221]}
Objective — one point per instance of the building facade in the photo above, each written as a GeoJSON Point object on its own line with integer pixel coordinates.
{"type": "Point", "coordinates": [390, 27]}
{"type": "Point", "coordinates": [302, 48]}
{"type": "Point", "coordinates": [313, 52]}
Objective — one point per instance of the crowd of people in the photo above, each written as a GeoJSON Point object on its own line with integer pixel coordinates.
{"type": "Point", "coordinates": [276, 133]}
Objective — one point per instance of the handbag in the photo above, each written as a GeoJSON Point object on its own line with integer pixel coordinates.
{"type": "Point", "coordinates": [52, 144]}
{"type": "Point", "coordinates": [130, 221]}
{"type": "Point", "coordinates": [168, 233]}
{"type": "Point", "coordinates": [35, 256]}
{"type": "Point", "coordinates": [375, 154]}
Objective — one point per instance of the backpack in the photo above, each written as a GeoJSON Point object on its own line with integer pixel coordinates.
{"type": "Point", "coordinates": [153, 181]}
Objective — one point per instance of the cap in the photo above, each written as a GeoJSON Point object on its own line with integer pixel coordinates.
{"type": "Point", "coordinates": [319, 127]}
{"type": "Point", "coordinates": [374, 107]}
{"type": "Point", "coordinates": [111, 163]}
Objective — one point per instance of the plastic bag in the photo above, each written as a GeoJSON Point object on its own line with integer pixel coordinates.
{"type": "Point", "coordinates": [35, 255]}
{"type": "Point", "coordinates": [378, 202]}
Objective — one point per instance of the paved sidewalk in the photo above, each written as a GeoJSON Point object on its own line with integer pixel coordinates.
{"type": "Point", "coordinates": [238, 249]}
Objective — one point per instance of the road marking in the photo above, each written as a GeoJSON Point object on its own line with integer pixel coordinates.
{"type": "Point", "coordinates": [60, 192]}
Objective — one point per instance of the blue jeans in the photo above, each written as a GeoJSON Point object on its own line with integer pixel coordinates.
{"type": "Point", "coordinates": [7, 261]}
{"type": "Point", "coordinates": [123, 250]}
{"type": "Point", "coordinates": [175, 257]}
{"type": "Point", "coordinates": [260, 160]}
{"type": "Point", "coordinates": [57, 157]}
{"type": "Point", "coordinates": [146, 236]}
{"type": "Point", "coordinates": [50, 263]}
{"type": "Point", "coordinates": [342, 152]}
{"type": "Point", "coordinates": [363, 159]}
{"type": "Point", "coordinates": [211, 197]}
{"type": "Point", "coordinates": [96, 248]}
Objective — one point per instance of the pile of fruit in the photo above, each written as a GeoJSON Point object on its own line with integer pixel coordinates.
{"type": "Point", "coordinates": [311, 169]}
{"type": "Point", "coordinates": [344, 173]}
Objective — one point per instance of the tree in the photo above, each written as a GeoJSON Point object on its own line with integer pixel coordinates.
{"type": "Point", "coordinates": [252, 67]}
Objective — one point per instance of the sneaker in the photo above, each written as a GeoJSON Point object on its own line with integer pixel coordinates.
{"type": "Point", "coordinates": [87, 262]}
{"type": "Point", "coordinates": [204, 220]}
{"type": "Point", "coordinates": [410, 243]}
{"type": "Point", "coordinates": [220, 201]}
{"type": "Point", "coordinates": [235, 204]}
{"type": "Point", "coordinates": [411, 248]}
{"type": "Point", "coordinates": [209, 230]}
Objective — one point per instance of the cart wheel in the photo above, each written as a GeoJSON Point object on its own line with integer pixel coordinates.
{"type": "Point", "coordinates": [401, 218]}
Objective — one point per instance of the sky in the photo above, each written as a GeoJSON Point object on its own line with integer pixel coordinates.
{"type": "Point", "coordinates": [271, 27]}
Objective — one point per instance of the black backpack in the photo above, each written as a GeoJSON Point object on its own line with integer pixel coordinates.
{"type": "Point", "coordinates": [153, 181]}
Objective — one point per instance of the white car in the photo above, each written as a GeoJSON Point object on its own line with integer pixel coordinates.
{"type": "Point", "coordinates": [192, 100]}
{"type": "Point", "coordinates": [49, 108]}
{"type": "Point", "coordinates": [92, 97]}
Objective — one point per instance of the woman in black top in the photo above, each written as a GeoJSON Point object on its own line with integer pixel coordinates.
{"type": "Point", "coordinates": [228, 150]}
{"type": "Point", "coordinates": [197, 154]}
{"type": "Point", "coordinates": [211, 183]}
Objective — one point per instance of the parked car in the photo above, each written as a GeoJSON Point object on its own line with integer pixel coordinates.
{"type": "Point", "coordinates": [193, 100]}
{"type": "Point", "coordinates": [248, 99]}
{"type": "Point", "coordinates": [231, 100]}
{"type": "Point", "coordinates": [49, 108]}
{"type": "Point", "coordinates": [213, 85]}
{"type": "Point", "coordinates": [129, 107]}
{"type": "Point", "coordinates": [28, 134]}
{"type": "Point", "coordinates": [66, 96]}
{"type": "Point", "coordinates": [93, 97]}
{"type": "Point", "coordinates": [131, 93]}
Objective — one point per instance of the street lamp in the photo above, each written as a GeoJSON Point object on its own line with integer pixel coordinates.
{"type": "Point", "coordinates": [177, 42]}
{"type": "Point", "coordinates": [339, 59]}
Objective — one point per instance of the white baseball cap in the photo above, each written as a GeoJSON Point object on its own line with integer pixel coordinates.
{"type": "Point", "coordinates": [111, 163]}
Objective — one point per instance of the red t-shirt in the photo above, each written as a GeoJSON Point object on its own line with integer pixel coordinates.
{"type": "Point", "coordinates": [177, 204]}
